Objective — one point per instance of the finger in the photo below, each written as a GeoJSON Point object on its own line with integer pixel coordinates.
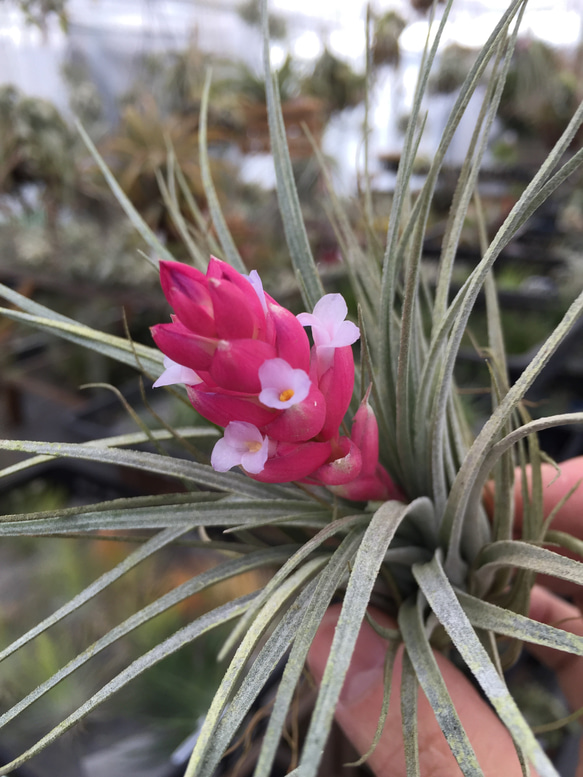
{"type": "Point", "coordinates": [360, 704]}
{"type": "Point", "coordinates": [555, 487]}
{"type": "Point", "coordinates": [548, 608]}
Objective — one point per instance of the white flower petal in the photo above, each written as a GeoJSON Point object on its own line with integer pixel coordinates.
{"type": "Point", "coordinates": [346, 334]}
{"type": "Point", "coordinates": [331, 310]}
{"type": "Point", "coordinates": [329, 327]}
{"type": "Point", "coordinates": [176, 373]}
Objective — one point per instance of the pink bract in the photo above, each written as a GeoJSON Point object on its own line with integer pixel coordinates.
{"type": "Point", "coordinates": [247, 365]}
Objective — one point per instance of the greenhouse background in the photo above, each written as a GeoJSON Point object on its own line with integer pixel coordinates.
{"type": "Point", "coordinates": [133, 74]}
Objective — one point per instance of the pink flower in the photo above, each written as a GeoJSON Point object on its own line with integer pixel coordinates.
{"type": "Point", "coordinates": [244, 445]}
{"type": "Point", "coordinates": [224, 326]}
{"type": "Point", "coordinates": [281, 385]}
{"type": "Point", "coordinates": [248, 367]}
{"type": "Point", "coordinates": [329, 329]}
{"type": "Point", "coordinates": [373, 481]}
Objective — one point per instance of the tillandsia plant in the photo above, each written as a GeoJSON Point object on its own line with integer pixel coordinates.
{"type": "Point", "coordinates": [358, 486]}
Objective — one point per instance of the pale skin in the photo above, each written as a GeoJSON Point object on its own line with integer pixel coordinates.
{"type": "Point", "coordinates": [361, 697]}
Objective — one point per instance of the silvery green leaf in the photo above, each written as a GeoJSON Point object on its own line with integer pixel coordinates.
{"type": "Point", "coordinates": [258, 673]}
{"type": "Point", "coordinates": [444, 603]}
{"type": "Point", "coordinates": [195, 510]}
{"type": "Point", "coordinates": [431, 681]}
{"type": "Point", "coordinates": [136, 355]}
{"type": "Point", "coordinates": [147, 549]}
{"type": "Point", "coordinates": [526, 556]}
{"type": "Point", "coordinates": [223, 571]}
{"type": "Point", "coordinates": [329, 581]}
{"type": "Point", "coordinates": [181, 469]}
{"type": "Point", "coordinates": [160, 251]}
{"type": "Point", "coordinates": [231, 253]}
{"type": "Point", "coordinates": [183, 637]}
{"type": "Point", "coordinates": [409, 692]}
{"type": "Point", "coordinates": [206, 741]}
{"type": "Point", "coordinates": [287, 194]}
{"type": "Point", "coordinates": [486, 615]}
{"type": "Point", "coordinates": [365, 569]}
{"type": "Point", "coordinates": [341, 525]}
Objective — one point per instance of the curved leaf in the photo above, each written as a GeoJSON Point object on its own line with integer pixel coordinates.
{"type": "Point", "coordinates": [444, 603]}
{"type": "Point", "coordinates": [486, 615]}
{"type": "Point", "coordinates": [181, 638]}
{"type": "Point", "coordinates": [367, 563]}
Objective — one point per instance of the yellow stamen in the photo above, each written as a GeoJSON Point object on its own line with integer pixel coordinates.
{"type": "Point", "coordinates": [253, 447]}
{"type": "Point", "coordinates": [285, 395]}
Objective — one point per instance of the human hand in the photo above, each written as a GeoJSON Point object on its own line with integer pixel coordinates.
{"type": "Point", "coordinates": [361, 698]}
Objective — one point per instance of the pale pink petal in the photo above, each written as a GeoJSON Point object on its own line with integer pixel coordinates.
{"type": "Point", "coordinates": [329, 328]}
{"type": "Point", "coordinates": [281, 385]}
{"type": "Point", "coordinates": [176, 373]}
{"type": "Point", "coordinates": [223, 457]}
{"type": "Point", "coordinates": [346, 334]}
{"type": "Point", "coordinates": [255, 281]}
{"type": "Point", "coordinates": [330, 311]}
{"type": "Point", "coordinates": [243, 444]}
{"type": "Point", "coordinates": [254, 462]}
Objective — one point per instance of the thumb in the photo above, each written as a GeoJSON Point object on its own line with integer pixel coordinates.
{"type": "Point", "coordinates": [361, 698]}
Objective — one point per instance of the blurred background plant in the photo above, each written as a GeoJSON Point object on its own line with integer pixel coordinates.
{"type": "Point", "coordinates": [67, 244]}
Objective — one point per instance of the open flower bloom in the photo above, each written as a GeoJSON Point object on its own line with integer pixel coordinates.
{"type": "Point", "coordinates": [242, 444]}
{"type": "Point", "coordinates": [329, 328]}
{"type": "Point", "coordinates": [247, 366]}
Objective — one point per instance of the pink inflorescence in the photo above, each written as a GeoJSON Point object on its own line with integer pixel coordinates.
{"type": "Point", "coordinates": [247, 365]}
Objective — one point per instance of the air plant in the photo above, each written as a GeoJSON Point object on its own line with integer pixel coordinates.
{"type": "Point", "coordinates": [415, 538]}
